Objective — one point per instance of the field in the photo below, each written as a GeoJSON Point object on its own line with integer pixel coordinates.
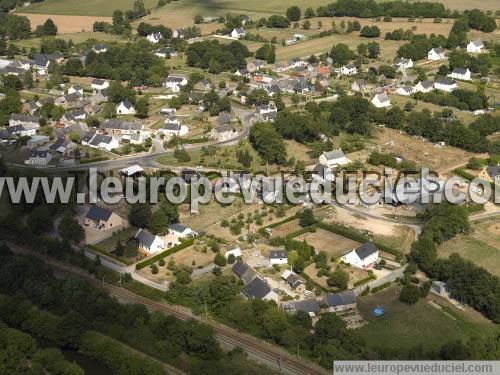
{"type": "Point", "coordinates": [286, 228]}
{"type": "Point", "coordinates": [467, 4]}
{"type": "Point", "coordinates": [109, 244]}
{"type": "Point", "coordinates": [333, 244]}
{"type": "Point", "coordinates": [482, 247]}
{"type": "Point", "coordinates": [421, 324]}
{"type": "Point", "coordinates": [421, 152]}
{"type": "Point", "coordinates": [192, 254]}
{"type": "Point", "coordinates": [67, 24]}
{"type": "Point", "coordinates": [77, 37]}
{"type": "Point", "coordinates": [82, 8]}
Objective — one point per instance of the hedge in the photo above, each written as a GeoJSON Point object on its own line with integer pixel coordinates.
{"type": "Point", "coordinates": [309, 229]}
{"type": "Point", "coordinates": [357, 236]}
{"type": "Point", "coordinates": [365, 280]}
{"type": "Point", "coordinates": [165, 253]}
{"type": "Point", "coordinates": [380, 287]}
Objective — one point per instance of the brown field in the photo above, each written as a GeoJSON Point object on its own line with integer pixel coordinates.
{"type": "Point", "coordinates": [467, 4]}
{"type": "Point", "coordinates": [331, 243]}
{"type": "Point", "coordinates": [286, 228]}
{"type": "Point", "coordinates": [421, 152]}
{"type": "Point", "coordinates": [66, 24]}
{"type": "Point", "coordinates": [488, 232]}
{"type": "Point", "coordinates": [195, 252]}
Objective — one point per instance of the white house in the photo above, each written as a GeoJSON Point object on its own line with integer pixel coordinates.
{"type": "Point", "coordinates": [349, 70]}
{"type": "Point", "coordinates": [475, 46]}
{"type": "Point", "coordinates": [99, 48]}
{"type": "Point", "coordinates": [238, 33]}
{"type": "Point", "coordinates": [278, 257]}
{"type": "Point", "coordinates": [445, 84]}
{"type": "Point", "coordinates": [223, 133]}
{"type": "Point", "coordinates": [102, 141]}
{"type": "Point", "coordinates": [154, 37]}
{"type": "Point", "coordinates": [401, 62]}
{"type": "Point", "coordinates": [125, 107]}
{"type": "Point", "coordinates": [180, 231]}
{"type": "Point", "coordinates": [461, 73]}
{"type": "Point", "coordinates": [39, 157]}
{"type": "Point", "coordinates": [363, 256]}
{"type": "Point", "coordinates": [423, 86]}
{"type": "Point", "coordinates": [174, 82]}
{"type": "Point", "coordinates": [332, 159]}
{"type": "Point", "coordinates": [149, 243]}
{"type": "Point", "coordinates": [236, 252]}
{"type": "Point", "coordinates": [405, 90]}
{"type": "Point", "coordinates": [436, 54]}
{"type": "Point", "coordinates": [99, 84]}
{"type": "Point", "coordinates": [171, 129]}
{"type": "Point", "coordinates": [76, 89]}
{"type": "Point", "coordinates": [381, 100]}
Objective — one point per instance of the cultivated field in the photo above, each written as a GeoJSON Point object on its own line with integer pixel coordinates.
{"type": "Point", "coordinates": [482, 247]}
{"type": "Point", "coordinates": [467, 4]}
{"type": "Point", "coordinates": [422, 324]}
{"type": "Point", "coordinates": [78, 37]}
{"type": "Point", "coordinates": [82, 8]}
{"type": "Point", "coordinates": [67, 24]}
{"type": "Point", "coordinates": [331, 243]}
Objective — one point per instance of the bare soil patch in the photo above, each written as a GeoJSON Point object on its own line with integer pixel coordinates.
{"type": "Point", "coordinates": [421, 152]}
{"type": "Point", "coordinates": [331, 243]}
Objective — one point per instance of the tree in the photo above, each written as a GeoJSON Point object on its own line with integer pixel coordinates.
{"type": "Point", "coordinates": [47, 28]}
{"type": "Point", "coordinates": [266, 52]}
{"type": "Point", "coordinates": [338, 279]}
{"type": "Point", "coordinates": [142, 107]}
{"type": "Point", "coordinates": [220, 260]}
{"type": "Point", "coordinates": [119, 249]}
{"type": "Point", "coordinates": [159, 223]}
{"type": "Point", "coordinates": [231, 259]}
{"type": "Point", "coordinates": [140, 215]}
{"type": "Point", "coordinates": [341, 54]}
{"type": "Point", "coordinates": [309, 13]}
{"type": "Point", "coordinates": [306, 218]}
{"type": "Point", "coordinates": [306, 25]}
{"type": "Point", "coordinates": [70, 229]}
{"type": "Point", "coordinates": [268, 143]}
{"type": "Point", "coordinates": [373, 50]}
{"type": "Point", "coordinates": [293, 13]}
{"type": "Point", "coordinates": [410, 294]}
{"type": "Point", "coordinates": [370, 32]}
{"type": "Point", "coordinates": [198, 19]}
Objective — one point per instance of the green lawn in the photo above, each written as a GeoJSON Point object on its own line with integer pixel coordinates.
{"type": "Point", "coordinates": [405, 327]}
{"type": "Point", "coordinates": [109, 244]}
{"type": "Point", "coordinates": [83, 8]}
{"type": "Point", "coordinates": [480, 247]}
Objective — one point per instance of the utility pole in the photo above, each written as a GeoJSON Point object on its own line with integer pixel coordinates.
{"type": "Point", "coordinates": [206, 312]}
{"type": "Point", "coordinates": [103, 281]}
{"type": "Point", "coordinates": [298, 349]}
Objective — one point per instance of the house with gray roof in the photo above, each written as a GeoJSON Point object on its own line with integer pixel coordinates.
{"type": "Point", "coordinates": [149, 243]}
{"type": "Point", "coordinates": [363, 256]}
{"type": "Point", "coordinates": [310, 306]}
{"type": "Point", "coordinates": [102, 218]}
{"type": "Point", "coordinates": [244, 271]}
{"type": "Point", "coordinates": [341, 301]}
{"type": "Point", "coordinates": [333, 159]}
{"type": "Point", "coordinates": [259, 289]}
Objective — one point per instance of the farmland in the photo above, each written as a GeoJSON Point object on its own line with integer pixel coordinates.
{"type": "Point", "coordinates": [82, 8]}
{"type": "Point", "coordinates": [65, 23]}
{"type": "Point", "coordinates": [333, 244]}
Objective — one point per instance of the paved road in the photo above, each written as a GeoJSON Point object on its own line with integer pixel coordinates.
{"type": "Point", "coordinates": [148, 160]}
{"type": "Point", "coordinates": [257, 349]}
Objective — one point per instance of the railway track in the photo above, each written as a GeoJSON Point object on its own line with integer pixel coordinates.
{"type": "Point", "coordinates": [264, 352]}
